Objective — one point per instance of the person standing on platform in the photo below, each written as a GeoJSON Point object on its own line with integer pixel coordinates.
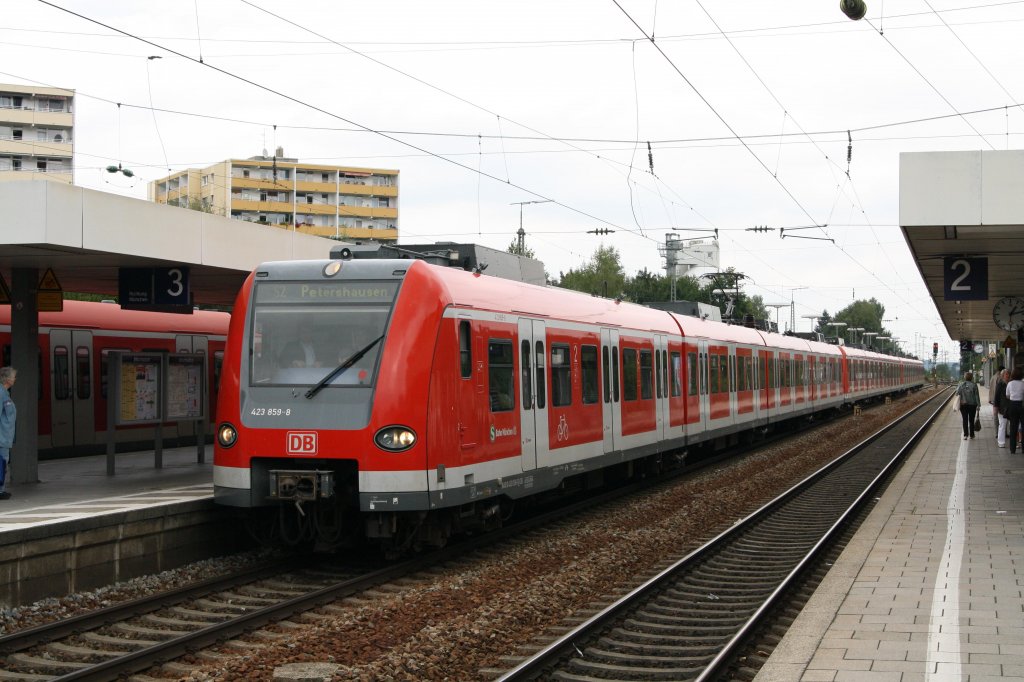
{"type": "Point", "coordinates": [970, 400]}
{"type": "Point", "coordinates": [8, 420]}
{"type": "Point", "coordinates": [1014, 402]}
{"type": "Point", "coordinates": [998, 401]}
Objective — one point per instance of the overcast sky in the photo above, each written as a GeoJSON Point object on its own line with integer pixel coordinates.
{"type": "Point", "coordinates": [482, 104]}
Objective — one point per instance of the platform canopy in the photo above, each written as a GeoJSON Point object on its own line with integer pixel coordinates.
{"type": "Point", "coordinates": [962, 215]}
{"type": "Point", "coordinates": [85, 236]}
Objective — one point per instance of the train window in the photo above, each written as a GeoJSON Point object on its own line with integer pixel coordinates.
{"type": "Point", "coordinates": [561, 375]}
{"type": "Point", "coordinates": [646, 380]}
{"type": "Point", "coordinates": [664, 370]}
{"type": "Point", "coordinates": [538, 356]}
{"type": "Point", "coordinates": [298, 339]}
{"type": "Point", "coordinates": [499, 375]}
{"type": "Point", "coordinates": [465, 350]}
{"type": "Point", "coordinates": [61, 373]}
{"type": "Point", "coordinates": [713, 372]}
{"type": "Point", "coordinates": [7, 355]}
{"type": "Point", "coordinates": [588, 365]}
{"type": "Point", "coordinates": [218, 365]}
{"type": "Point", "coordinates": [657, 373]}
{"type": "Point", "coordinates": [741, 383]}
{"type": "Point", "coordinates": [629, 374]}
{"type": "Point", "coordinates": [724, 375]}
{"type": "Point", "coordinates": [615, 373]}
{"type": "Point", "coordinates": [524, 368]}
{"type": "Point", "coordinates": [691, 373]}
{"type": "Point", "coordinates": [676, 388]}
{"type": "Point", "coordinates": [605, 373]}
{"type": "Point", "coordinates": [83, 377]}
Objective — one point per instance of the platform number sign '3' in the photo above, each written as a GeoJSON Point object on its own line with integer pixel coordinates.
{"type": "Point", "coordinates": [964, 279]}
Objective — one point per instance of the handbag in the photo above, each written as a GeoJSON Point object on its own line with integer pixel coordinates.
{"type": "Point", "coordinates": [977, 423]}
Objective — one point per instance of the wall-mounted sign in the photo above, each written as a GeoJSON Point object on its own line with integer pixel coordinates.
{"type": "Point", "coordinates": [160, 289]}
{"type": "Point", "coordinates": [964, 279]}
{"type": "Point", "coordinates": [49, 294]}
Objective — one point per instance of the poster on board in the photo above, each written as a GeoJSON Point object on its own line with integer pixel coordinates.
{"type": "Point", "coordinates": [185, 391]}
{"type": "Point", "coordinates": [137, 387]}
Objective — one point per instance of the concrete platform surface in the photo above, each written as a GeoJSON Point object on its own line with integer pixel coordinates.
{"type": "Point", "coordinates": [931, 589]}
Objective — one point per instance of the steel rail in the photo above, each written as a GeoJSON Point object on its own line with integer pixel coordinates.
{"type": "Point", "coordinates": [565, 645]}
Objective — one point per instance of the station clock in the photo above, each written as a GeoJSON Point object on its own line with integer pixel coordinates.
{"type": "Point", "coordinates": [1008, 313]}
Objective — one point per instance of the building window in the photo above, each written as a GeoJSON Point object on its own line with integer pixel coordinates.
{"type": "Point", "coordinates": [17, 134]}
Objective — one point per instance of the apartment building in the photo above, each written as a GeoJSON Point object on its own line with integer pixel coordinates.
{"type": "Point", "coordinates": [325, 200]}
{"type": "Point", "coordinates": [36, 133]}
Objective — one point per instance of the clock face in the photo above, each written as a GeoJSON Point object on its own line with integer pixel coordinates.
{"type": "Point", "coordinates": [1008, 313]}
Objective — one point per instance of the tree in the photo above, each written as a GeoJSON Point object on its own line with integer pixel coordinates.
{"type": "Point", "coordinates": [197, 204]}
{"type": "Point", "coordinates": [519, 247]}
{"type": "Point", "coordinates": [646, 286]}
{"type": "Point", "coordinates": [866, 315]}
{"type": "Point", "coordinates": [602, 276]}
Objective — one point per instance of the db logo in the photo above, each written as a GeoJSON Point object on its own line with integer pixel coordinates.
{"type": "Point", "coordinates": [301, 442]}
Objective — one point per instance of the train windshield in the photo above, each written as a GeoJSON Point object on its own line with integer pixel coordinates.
{"type": "Point", "coordinates": [301, 331]}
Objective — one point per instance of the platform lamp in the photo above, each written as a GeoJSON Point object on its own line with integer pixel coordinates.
{"type": "Point", "coordinates": [868, 336]}
{"type": "Point", "coordinates": [813, 319]}
{"type": "Point", "coordinates": [885, 338]}
{"type": "Point", "coordinates": [855, 331]}
{"type": "Point", "coordinates": [838, 326]}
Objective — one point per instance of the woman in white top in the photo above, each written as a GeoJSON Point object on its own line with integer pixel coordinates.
{"type": "Point", "coordinates": [1015, 400]}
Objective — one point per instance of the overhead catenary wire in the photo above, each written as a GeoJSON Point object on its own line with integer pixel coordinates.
{"type": "Point", "coordinates": [321, 110]}
{"type": "Point", "coordinates": [930, 84]}
{"type": "Point", "coordinates": [661, 142]}
{"type": "Point", "coordinates": [711, 107]}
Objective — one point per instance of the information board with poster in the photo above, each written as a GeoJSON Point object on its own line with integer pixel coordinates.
{"type": "Point", "coordinates": [185, 396]}
{"type": "Point", "coordinates": [137, 383]}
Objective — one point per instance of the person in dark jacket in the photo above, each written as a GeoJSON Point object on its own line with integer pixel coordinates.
{"type": "Point", "coordinates": [970, 399]}
{"type": "Point", "coordinates": [999, 404]}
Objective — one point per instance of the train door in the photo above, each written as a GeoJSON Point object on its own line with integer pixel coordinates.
{"type": "Point", "coordinates": [533, 399]}
{"type": "Point", "coordinates": [470, 390]}
{"type": "Point", "coordinates": [611, 414]}
{"type": "Point", "coordinates": [661, 385]}
{"type": "Point", "coordinates": [185, 343]}
{"type": "Point", "coordinates": [705, 394]}
{"type": "Point", "coordinates": [71, 388]}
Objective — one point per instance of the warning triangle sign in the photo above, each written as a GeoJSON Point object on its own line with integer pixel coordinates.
{"type": "Point", "coordinates": [5, 293]}
{"type": "Point", "coordinates": [49, 282]}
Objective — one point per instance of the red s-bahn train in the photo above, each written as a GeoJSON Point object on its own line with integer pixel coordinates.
{"type": "Point", "coordinates": [402, 402]}
{"type": "Point", "coordinates": [73, 353]}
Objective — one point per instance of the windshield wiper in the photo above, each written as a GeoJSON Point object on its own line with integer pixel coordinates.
{"type": "Point", "coordinates": [351, 360]}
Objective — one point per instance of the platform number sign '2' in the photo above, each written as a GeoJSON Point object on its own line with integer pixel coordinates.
{"type": "Point", "coordinates": [964, 279]}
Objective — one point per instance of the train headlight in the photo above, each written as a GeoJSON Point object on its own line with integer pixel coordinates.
{"type": "Point", "coordinates": [395, 438]}
{"type": "Point", "coordinates": [226, 435]}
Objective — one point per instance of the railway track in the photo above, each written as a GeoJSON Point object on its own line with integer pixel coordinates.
{"type": "Point", "coordinates": [133, 636]}
{"type": "Point", "coordinates": [139, 635]}
{"type": "Point", "coordinates": [692, 620]}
